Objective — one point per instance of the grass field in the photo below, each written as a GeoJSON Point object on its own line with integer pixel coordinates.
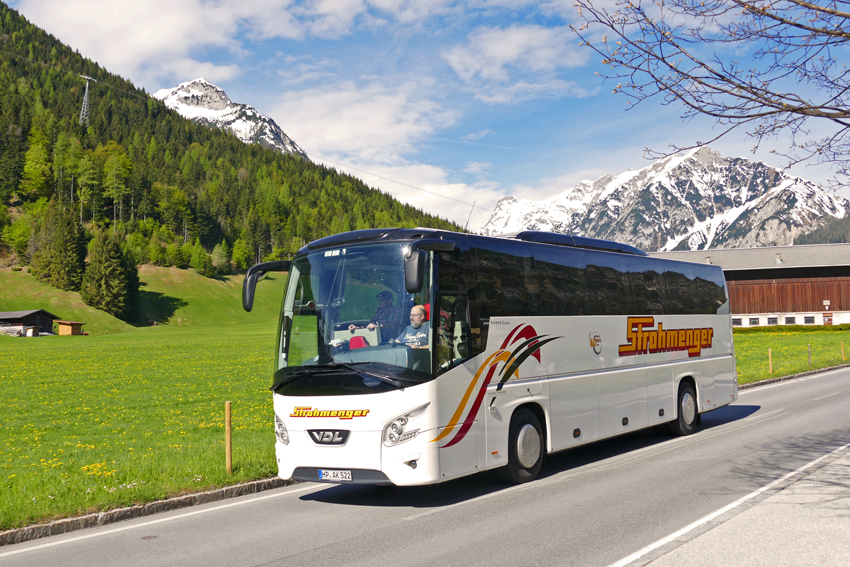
{"type": "Point", "coordinates": [97, 422]}
{"type": "Point", "coordinates": [168, 296]}
{"type": "Point", "coordinates": [789, 349]}
{"type": "Point", "coordinates": [133, 414]}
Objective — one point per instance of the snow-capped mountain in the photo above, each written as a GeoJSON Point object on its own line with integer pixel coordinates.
{"type": "Point", "coordinates": [202, 102]}
{"type": "Point", "coordinates": [694, 201]}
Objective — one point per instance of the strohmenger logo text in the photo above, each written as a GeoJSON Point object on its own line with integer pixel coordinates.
{"type": "Point", "coordinates": [342, 414]}
{"type": "Point", "coordinates": [645, 340]}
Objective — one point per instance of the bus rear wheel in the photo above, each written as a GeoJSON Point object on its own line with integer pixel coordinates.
{"type": "Point", "coordinates": [525, 448]}
{"type": "Point", "coordinates": [686, 422]}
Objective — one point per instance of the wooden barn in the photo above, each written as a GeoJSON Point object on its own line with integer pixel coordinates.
{"type": "Point", "coordinates": [782, 285]}
{"type": "Point", "coordinates": [18, 322]}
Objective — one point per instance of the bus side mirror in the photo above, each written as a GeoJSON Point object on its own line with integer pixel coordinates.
{"type": "Point", "coordinates": [255, 274]}
{"type": "Point", "coordinates": [414, 270]}
{"type": "Point", "coordinates": [414, 260]}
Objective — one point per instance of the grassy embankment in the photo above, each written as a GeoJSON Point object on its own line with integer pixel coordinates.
{"type": "Point", "coordinates": [130, 414]}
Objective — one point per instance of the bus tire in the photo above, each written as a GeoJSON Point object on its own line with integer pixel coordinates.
{"type": "Point", "coordinates": [525, 448]}
{"type": "Point", "coordinates": [686, 404]}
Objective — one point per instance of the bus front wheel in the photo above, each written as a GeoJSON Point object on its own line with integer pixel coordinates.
{"type": "Point", "coordinates": [686, 422]}
{"type": "Point", "coordinates": [525, 448]}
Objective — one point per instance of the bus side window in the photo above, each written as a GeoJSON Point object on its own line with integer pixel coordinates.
{"type": "Point", "coordinates": [561, 275]}
{"type": "Point", "coordinates": [609, 285]}
{"type": "Point", "coordinates": [507, 283]}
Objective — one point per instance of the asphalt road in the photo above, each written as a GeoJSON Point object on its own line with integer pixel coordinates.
{"type": "Point", "coordinates": [591, 506]}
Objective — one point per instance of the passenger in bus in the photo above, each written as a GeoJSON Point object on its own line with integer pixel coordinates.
{"type": "Point", "coordinates": [416, 334]}
{"type": "Point", "coordinates": [387, 317]}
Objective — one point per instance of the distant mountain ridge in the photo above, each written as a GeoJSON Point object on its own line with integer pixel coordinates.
{"type": "Point", "coordinates": [695, 201]}
{"type": "Point", "coordinates": [205, 103]}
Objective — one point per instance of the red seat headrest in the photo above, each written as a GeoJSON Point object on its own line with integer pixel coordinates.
{"type": "Point", "coordinates": [357, 342]}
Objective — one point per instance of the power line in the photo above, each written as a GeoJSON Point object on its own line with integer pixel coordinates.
{"type": "Point", "coordinates": [473, 205]}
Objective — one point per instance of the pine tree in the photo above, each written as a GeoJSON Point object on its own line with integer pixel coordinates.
{"type": "Point", "coordinates": [109, 282]}
{"type": "Point", "coordinates": [198, 254]}
{"type": "Point", "coordinates": [220, 258]}
{"type": "Point", "coordinates": [68, 252]}
{"type": "Point", "coordinates": [241, 255]}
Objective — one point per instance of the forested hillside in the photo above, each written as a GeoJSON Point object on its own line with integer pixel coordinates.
{"type": "Point", "coordinates": [833, 231]}
{"type": "Point", "coordinates": [156, 180]}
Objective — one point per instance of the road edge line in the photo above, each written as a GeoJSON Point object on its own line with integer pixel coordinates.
{"type": "Point", "coordinates": [66, 525]}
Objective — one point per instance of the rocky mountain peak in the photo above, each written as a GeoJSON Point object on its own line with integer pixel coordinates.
{"type": "Point", "coordinates": [696, 200]}
{"type": "Point", "coordinates": [205, 103]}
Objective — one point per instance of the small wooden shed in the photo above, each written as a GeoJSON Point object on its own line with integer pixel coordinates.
{"type": "Point", "coordinates": [70, 327]}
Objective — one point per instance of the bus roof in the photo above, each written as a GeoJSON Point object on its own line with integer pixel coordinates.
{"type": "Point", "coordinates": [408, 234]}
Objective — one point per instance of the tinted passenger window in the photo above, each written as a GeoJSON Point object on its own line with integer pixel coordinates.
{"type": "Point", "coordinates": [506, 280]}
{"type": "Point", "coordinates": [609, 286]}
{"type": "Point", "coordinates": [451, 272]}
{"type": "Point", "coordinates": [649, 286]}
{"type": "Point", "coordinates": [561, 275]}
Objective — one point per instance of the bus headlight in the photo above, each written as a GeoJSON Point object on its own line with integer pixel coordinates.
{"type": "Point", "coordinates": [397, 431]}
{"type": "Point", "coordinates": [280, 430]}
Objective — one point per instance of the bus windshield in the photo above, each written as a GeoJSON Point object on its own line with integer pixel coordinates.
{"type": "Point", "coordinates": [346, 312]}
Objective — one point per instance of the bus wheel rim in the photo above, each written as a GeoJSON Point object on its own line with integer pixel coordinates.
{"type": "Point", "coordinates": [689, 408]}
{"type": "Point", "coordinates": [528, 446]}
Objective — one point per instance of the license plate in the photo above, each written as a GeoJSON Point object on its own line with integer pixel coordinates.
{"type": "Point", "coordinates": [335, 476]}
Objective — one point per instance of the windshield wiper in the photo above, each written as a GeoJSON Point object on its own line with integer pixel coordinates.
{"type": "Point", "coordinates": [331, 368]}
{"type": "Point", "coordinates": [383, 378]}
{"type": "Point", "coordinates": [288, 377]}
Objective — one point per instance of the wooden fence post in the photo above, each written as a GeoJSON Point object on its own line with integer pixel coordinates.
{"type": "Point", "coordinates": [228, 454]}
{"type": "Point", "coordinates": [770, 359]}
{"type": "Point", "coordinates": [810, 355]}
{"type": "Point", "coordinates": [842, 352]}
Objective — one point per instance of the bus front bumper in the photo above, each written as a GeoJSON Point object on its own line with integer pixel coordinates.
{"type": "Point", "coordinates": [364, 456]}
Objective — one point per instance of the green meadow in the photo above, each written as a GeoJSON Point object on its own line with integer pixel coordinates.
{"type": "Point", "coordinates": [789, 349]}
{"type": "Point", "coordinates": [134, 413]}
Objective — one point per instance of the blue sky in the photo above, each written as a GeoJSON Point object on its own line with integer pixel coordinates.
{"type": "Point", "coordinates": [471, 101]}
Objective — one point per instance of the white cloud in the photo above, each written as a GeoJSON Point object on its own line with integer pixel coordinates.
{"type": "Point", "coordinates": [475, 136]}
{"type": "Point", "coordinates": [142, 40]}
{"type": "Point", "coordinates": [517, 63]}
{"type": "Point", "coordinates": [372, 131]}
{"type": "Point", "coordinates": [373, 123]}
{"type": "Point", "coordinates": [299, 70]}
{"type": "Point", "coordinates": [477, 167]}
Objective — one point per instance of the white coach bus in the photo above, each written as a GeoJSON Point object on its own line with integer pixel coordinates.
{"type": "Point", "coordinates": [518, 346]}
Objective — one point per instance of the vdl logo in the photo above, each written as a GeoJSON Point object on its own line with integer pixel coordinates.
{"type": "Point", "coordinates": [329, 436]}
{"type": "Point", "coordinates": [595, 342]}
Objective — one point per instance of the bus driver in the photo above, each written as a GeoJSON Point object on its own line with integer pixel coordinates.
{"type": "Point", "coordinates": [387, 317]}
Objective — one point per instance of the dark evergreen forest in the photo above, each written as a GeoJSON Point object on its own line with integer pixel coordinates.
{"type": "Point", "coordinates": [166, 188]}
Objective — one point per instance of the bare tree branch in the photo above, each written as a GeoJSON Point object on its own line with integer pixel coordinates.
{"type": "Point", "coordinates": [791, 68]}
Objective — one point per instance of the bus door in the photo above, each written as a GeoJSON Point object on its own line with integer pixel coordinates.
{"type": "Point", "coordinates": [459, 438]}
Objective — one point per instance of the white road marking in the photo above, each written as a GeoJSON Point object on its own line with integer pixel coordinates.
{"type": "Point", "coordinates": [786, 382]}
{"type": "Point", "coordinates": [826, 396]}
{"type": "Point", "coordinates": [704, 520]}
{"type": "Point", "coordinates": [616, 461]}
{"type": "Point", "coordinates": [108, 531]}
